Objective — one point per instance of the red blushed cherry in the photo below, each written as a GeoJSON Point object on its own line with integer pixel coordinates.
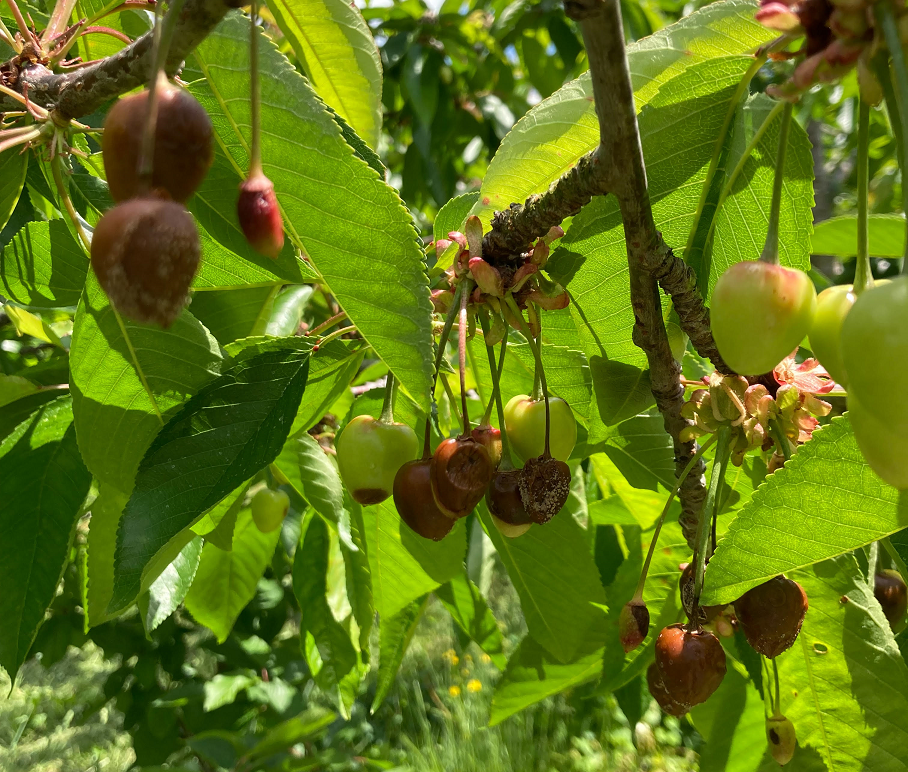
{"type": "Point", "coordinates": [461, 470]}
{"type": "Point", "coordinates": [505, 505]}
{"type": "Point", "coordinates": [183, 143]}
{"type": "Point", "coordinates": [369, 453]}
{"type": "Point", "coordinates": [490, 438]}
{"type": "Point", "coordinates": [633, 624]}
{"type": "Point", "coordinates": [415, 502]}
{"type": "Point", "coordinates": [760, 313]}
{"type": "Point", "coordinates": [771, 615]}
{"type": "Point", "coordinates": [260, 216]}
{"type": "Point", "coordinates": [890, 590]}
{"type": "Point", "coordinates": [660, 693]}
{"type": "Point", "coordinates": [145, 253]}
{"type": "Point", "coordinates": [545, 484]}
{"type": "Point", "coordinates": [691, 663]}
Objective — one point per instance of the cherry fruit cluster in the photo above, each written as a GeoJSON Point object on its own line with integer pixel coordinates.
{"type": "Point", "coordinates": [145, 250]}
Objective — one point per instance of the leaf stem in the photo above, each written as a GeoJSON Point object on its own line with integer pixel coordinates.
{"type": "Point", "coordinates": [55, 164]}
{"type": "Point", "coordinates": [387, 408]}
{"type": "Point", "coordinates": [863, 276]}
{"type": "Point", "coordinates": [873, 559]}
{"type": "Point", "coordinates": [770, 252]}
{"type": "Point", "coordinates": [333, 336]}
{"type": "Point", "coordinates": [638, 595]}
{"type": "Point", "coordinates": [887, 21]}
{"type": "Point", "coordinates": [328, 323]}
{"type": "Point", "coordinates": [720, 462]}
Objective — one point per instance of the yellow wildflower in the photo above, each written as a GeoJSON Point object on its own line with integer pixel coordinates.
{"type": "Point", "coordinates": [468, 659]}
{"type": "Point", "coordinates": [464, 672]}
{"type": "Point", "coordinates": [485, 659]}
{"type": "Point", "coordinates": [454, 691]}
{"type": "Point", "coordinates": [451, 656]}
{"type": "Point", "coordinates": [474, 685]}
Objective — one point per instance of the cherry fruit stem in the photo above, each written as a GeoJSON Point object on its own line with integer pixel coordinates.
{"type": "Point", "coordinates": [462, 359]}
{"type": "Point", "coordinates": [328, 323]}
{"type": "Point", "coordinates": [506, 462]}
{"type": "Point", "coordinates": [55, 165]}
{"type": "Point", "coordinates": [895, 557]}
{"type": "Point", "coordinates": [770, 252]}
{"type": "Point", "coordinates": [524, 328]}
{"type": "Point", "coordinates": [886, 19]}
{"type": "Point", "coordinates": [775, 429]}
{"type": "Point", "coordinates": [863, 276]}
{"type": "Point", "coordinates": [163, 34]}
{"type": "Point", "coordinates": [720, 462]}
{"type": "Point", "coordinates": [638, 595]}
{"type": "Point", "coordinates": [387, 408]}
{"type": "Point", "coordinates": [20, 20]}
{"type": "Point", "coordinates": [777, 703]}
{"type": "Point", "coordinates": [255, 152]}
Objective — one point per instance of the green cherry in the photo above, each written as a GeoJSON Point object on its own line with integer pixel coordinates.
{"type": "Point", "coordinates": [833, 305]}
{"type": "Point", "coordinates": [875, 353]}
{"type": "Point", "coordinates": [369, 453]}
{"type": "Point", "coordinates": [269, 508]}
{"type": "Point", "coordinates": [760, 313]}
{"type": "Point", "coordinates": [884, 446]}
{"type": "Point", "coordinates": [524, 420]}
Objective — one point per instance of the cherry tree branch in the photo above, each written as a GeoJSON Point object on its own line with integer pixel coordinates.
{"type": "Point", "coordinates": [83, 91]}
{"type": "Point", "coordinates": [649, 260]}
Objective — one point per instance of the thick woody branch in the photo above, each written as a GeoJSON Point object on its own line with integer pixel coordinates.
{"type": "Point", "coordinates": [648, 257]}
{"type": "Point", "coordinates": [85, 90]}
{"type": "Point", "coordinates": [514, 229]}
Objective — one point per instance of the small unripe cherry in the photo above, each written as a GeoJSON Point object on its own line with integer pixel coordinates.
{"type": "Point", "coordinates": [782, 739]}
{"type": "Point", "coordinates": [506, 507]}
{"type": "Point", "coordinates": [260, 216]}
{"type": "Point", "coordinates": [660, 693]}
{"type": "Point", "coordinates": [833, 305]}
{"type": "Point", "coordinates": [691, 663]}
{"type": "Point", "coordinates": [545, 484]}
{"type": "Point", "coordinates": [633, 624]}
{"type": "Point", "coordinates": [490, 438]}
{"type": "Point", "coordinates": [145, 253]}
{"type": "Point", "coordinates": [461, 470]}
{"type": "Point", "coordinates": [891, 592]}
{"type": "Point", "coordinates": [415, 503]}
{"type": "Point", "coordinates": [183, 143]}
{"type": "Point", "coordinates": [760, 313]}
{"type": "Point", "coordinates": [771, 615]}
{"type": "Point", "coordinates": [269, 508]}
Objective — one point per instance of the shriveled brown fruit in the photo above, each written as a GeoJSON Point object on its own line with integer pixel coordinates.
{"type": "Point", "coordinates": [183, 143]}
{"type": "Point", "coordinates": [145, 253]}
{"type": "Point", "coordinates": [686, 586]}
{"type": "Point", "coordinates": [633, 624]}
{"type": "Point", "coordinates": [545, 484]}
{"type": "Point", "coordinates": [490, 438]}
{"type": "Point", "coordinates": [505, 505]}
{"type": "Point", "coordinates": [660, 693]}
{"type": "Point", "coordinates": [461, 470]}
{"type": "Point", "coordinates": [890, 590]}
{"type": "Point", "coordinates": [691, 663]}
{"type": "Point", "coordinates": [415, 503]}
{"type": "Point", "coordinates": [260, 216]}
{"type": "Point", "coordinates": [771, 615]}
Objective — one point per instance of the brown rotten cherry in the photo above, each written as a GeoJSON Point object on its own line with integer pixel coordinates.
{"type": "Point", "coordinates": [545, 484]}
{"type": "Point", "coordinates": [415, 502]}
{"type": "Point", "coordinates": [691, 663]}
{"type": "Point", "coordinates": [505, 504]}
{"type": "Point", "coordinates": [145, 253]}
{"type": "Point", "coordinates": [461, 470]}
{"type": "Point", "coordinates": [660, 693]}
{"type": "Point", "coordinates": [890, 590]}
{"type": "Point", "coordinates": [183, 143]}
{"type": "Point", "coordinates": [771, 615]}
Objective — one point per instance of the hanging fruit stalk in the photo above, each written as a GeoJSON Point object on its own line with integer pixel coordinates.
{"type": "Point", "coordinates": [778, 301]}
{"type": "Point", "coordinates": [257, 207]}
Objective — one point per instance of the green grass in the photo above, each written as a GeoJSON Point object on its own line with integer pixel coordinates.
{"type": "Point", "coordinates": [56, 720]}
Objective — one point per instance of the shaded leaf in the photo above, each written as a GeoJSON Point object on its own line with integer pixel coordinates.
{"type": "Point", "coordinates": [396, 632]}
{"type": "Point", "coordinates": [226, 433]}
{"type": "Point", "coordinates": [167, 592]}
{"type": "Point", "coordinates": [838, 236]}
